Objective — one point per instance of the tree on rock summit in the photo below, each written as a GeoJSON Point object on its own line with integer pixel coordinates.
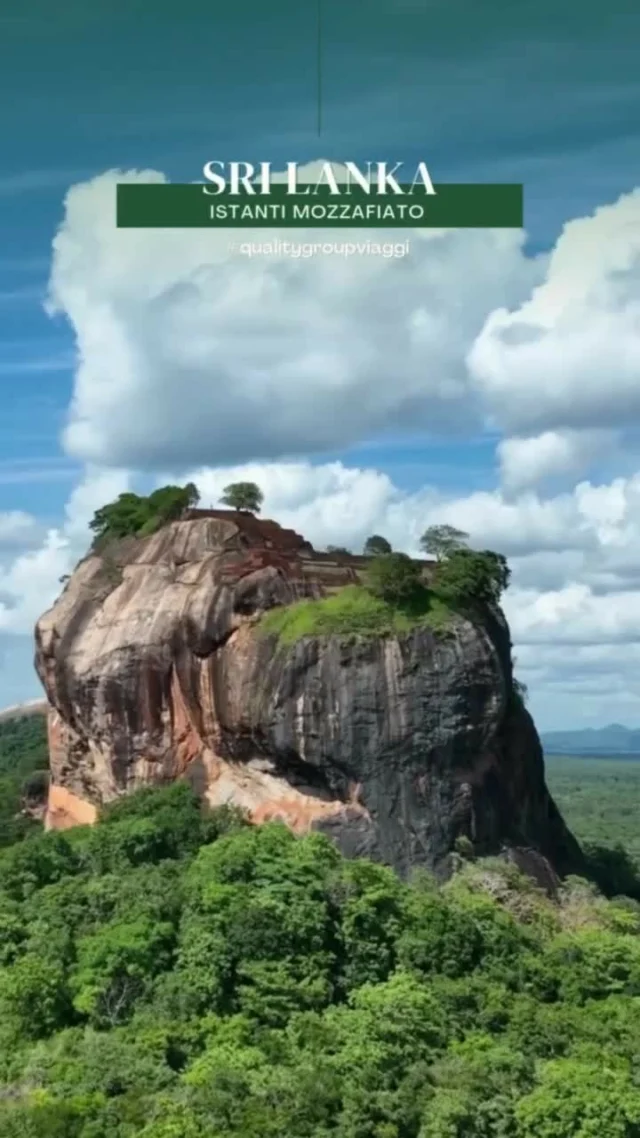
{"type": "Point", "coordinates": [376, 545]}
{"type": "Point", "coordinates": [394, 577]}
{"type": "Point", "coordinates": [441, 541]}
{"type": "Point", "coordinates": [243, 496]}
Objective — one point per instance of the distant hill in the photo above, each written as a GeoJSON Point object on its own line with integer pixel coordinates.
{"type": "Point", "coordinates": [612, 740]}
{"type": "Point", "coordinates": [19, 710]}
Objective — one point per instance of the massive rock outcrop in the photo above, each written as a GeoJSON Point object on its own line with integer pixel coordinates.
{"type": "Point", "coordinates": [155, 667]}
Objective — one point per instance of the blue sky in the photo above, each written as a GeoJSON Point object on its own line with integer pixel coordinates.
{"type": "Point", "coordinates": [492, 92]}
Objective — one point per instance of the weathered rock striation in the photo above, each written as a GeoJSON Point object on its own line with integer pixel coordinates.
{"type": "Point", "coordinates": [155, 667]}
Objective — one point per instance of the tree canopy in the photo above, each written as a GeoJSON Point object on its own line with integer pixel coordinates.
{"type": "Point", "coordinates": [175, 973]}
{"type": "Point", "coordinates": [24, 762]}
{"type": "Point", "coordinates": [467, 576]}
{"type": "Point", "coordinates": [375, 545]}
{"type": "Point", "coordinates": [393, 577]}
{"type": "Point", "coordinates": [442, 540]}
{"type": "Point", "coordinates": [136, 515]}
{"type": "Point", "coordinates": [244, 496]}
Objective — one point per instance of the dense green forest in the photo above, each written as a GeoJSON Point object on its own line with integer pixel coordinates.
{"type": "Point", "coordinates": [175, 973]}
{"type": "Point", "coordinates": [599, 798]}
{"type": "Point", "coordinates": [23, 766]}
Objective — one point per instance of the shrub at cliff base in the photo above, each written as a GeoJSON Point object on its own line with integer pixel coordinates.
{"type": "Point", "coordinates": [173, 973]}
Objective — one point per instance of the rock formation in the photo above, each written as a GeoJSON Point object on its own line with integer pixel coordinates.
{"type": "Point", "coordinates": [155, 667]}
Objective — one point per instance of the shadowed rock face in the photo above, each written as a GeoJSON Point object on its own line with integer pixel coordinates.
{"type": "Point", "coordinates": [155, 668]}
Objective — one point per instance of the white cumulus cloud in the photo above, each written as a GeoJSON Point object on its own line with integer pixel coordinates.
{"type": "Point", "coordinates": [30, 582]}
{"type": "Point", "coordinates": [196, 359]}
{"type": "Point", "coordinates": [574, 602]}
{"type": "Point", "coordinates": [569, 357]}
{"type": "Point", "coordinates": [527, 462]}
{"type": "Point", "coordinates": [190, 351]}
{"type": "Point", "coordinates": [17, 528]}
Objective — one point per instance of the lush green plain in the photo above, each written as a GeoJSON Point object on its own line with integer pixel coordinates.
{"type": "Point", "coordinates": [599, 798]}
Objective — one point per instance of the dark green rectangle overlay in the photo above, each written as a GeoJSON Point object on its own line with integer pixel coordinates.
{"type": "Point", "coordinates": [454, 206]}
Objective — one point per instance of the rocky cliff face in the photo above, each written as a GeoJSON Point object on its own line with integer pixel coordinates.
{"type": "Point", "coordinates": [155, 667]}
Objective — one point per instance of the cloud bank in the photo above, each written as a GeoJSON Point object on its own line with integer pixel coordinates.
{"type": "Point", "coordinates": [195, 360]}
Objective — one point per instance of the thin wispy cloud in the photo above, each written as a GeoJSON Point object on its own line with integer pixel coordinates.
{"type": "Point", "coordinates": [24, 265]}
{"type": "Point", "coordinates": [23, 295]}
{"type": "Point", "coordinates": [34, 181]}
{"type": "Point", "coordinates": [20, 471]}
{"type": "Point", "coordinates": [36, 367]}
{"type": "Point", "coordinates": [26, 345]}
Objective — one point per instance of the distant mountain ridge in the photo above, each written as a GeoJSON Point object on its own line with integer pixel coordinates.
{"type": "Point", "coordinates": [612, 740]}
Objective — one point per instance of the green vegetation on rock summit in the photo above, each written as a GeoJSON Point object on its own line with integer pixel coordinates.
{"type": "Point", "coordinates": [355, 611]}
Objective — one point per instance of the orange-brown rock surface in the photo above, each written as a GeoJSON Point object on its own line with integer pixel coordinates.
{"type": "Point", "coordinates": [155, 667]}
